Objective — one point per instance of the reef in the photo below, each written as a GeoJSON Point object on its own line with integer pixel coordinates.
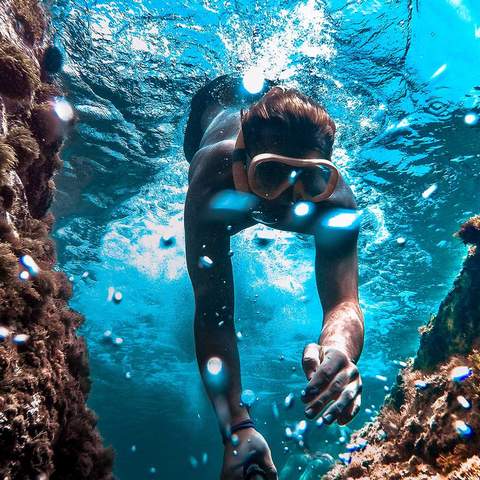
{"type": "Point", "coordinates": [429, 426]}
{"type": "Point", "coordinates": [46, 429]}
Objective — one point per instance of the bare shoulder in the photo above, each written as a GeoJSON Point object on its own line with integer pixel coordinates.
{"type": "Point", "coordinates": [211, 166]}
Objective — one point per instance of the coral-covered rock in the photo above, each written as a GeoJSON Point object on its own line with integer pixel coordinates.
{"type": "Point", "coordinates": [19, 76]}
{"type": "Point", "coordinates": [456, 327]}
{"type": "Point", "coordinates": [46, 429]}
{"type": "Point", "coordinates": [430, 425]}
{"type": "Point", "coordinates": [470, 231]}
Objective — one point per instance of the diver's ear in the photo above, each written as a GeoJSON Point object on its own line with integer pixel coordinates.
{"type": "Point", "coordinates": [240, 143]}
{"type": "Point", "coordinates": [239, 157]}
{"type": "Point", "coordinates": [240, 178]}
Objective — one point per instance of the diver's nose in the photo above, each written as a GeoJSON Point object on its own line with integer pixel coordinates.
{"type": "Point", "coordinates": [296, 194]}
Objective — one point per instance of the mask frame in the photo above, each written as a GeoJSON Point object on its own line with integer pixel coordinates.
{"type": "Point", "coordinates": [245, 180]}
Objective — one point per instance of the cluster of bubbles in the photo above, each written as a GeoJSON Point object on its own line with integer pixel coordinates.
{"type": "Point", "coordinates": [296, 432]}
{"type": "Point", "coordinates": [457, 375]}
{"type": "Point", "coordinates": [29, 268]}
{"type": "Point", "coordinates": [108, 337]}
{"type": "Point", "coordinates": [17, 339]}
{"type": "Point", "coordinates": [114, 295]}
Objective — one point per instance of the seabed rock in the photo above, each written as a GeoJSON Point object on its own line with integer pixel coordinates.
{"type": "Point", "coordinates": [46, 429]}
{"type": "Point", "coordinates": [421, 437]}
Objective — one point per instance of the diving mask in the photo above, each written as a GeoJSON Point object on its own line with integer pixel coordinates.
{"type": "Point", "coordinates": [268, 175]}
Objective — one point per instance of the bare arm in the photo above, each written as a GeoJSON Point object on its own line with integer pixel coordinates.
{"type": "Point", "coordinates": [214, 305]}
{"type": "Point", "coordinates": [330, 364]}
{"type": "Point", "coordinates": [337, 282]}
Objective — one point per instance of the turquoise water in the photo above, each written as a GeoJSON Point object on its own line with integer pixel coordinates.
{"type": "Point", "coordinates": [400, 79]}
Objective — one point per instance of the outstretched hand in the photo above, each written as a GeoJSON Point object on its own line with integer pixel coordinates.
{"type": "Point", "coordinates": [252, 449]}
{"type": "Point", "coordinates": [333, 377]}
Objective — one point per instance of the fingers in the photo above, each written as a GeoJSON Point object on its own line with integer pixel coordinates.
{"type": "Point", "coordinates": [267, 465]}
{"type": "Point", "coordinates": [331, 392]}
{"type": "Point", "coordinates": [271, 473]}
{"type": "Point", "coordinates": [353, 409]}
{"type": "Point", "coordinates": [263, 464]}
{"type": "Point", "coordinates": [311, 359]}
{"type": "Point", "coordinates": [347, 402]}
{"type": "Point", "coordinates": [333, 362]}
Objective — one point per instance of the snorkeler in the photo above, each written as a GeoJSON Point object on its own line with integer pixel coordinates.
{"type": "Point", "coordinates": [276, 154]}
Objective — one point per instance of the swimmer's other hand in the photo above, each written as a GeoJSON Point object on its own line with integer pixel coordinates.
{"type": "Point", "coordinates": [249, 448]}
{"type": "Point", "coordinates": [333, 379]}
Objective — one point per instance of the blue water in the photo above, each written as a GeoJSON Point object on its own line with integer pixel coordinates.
{"type": "Point", "coordinates": [398, 77]}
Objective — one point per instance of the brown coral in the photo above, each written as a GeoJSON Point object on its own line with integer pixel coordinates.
{"type": "Point", "coordinates": [470, 231]}
{"type": "Point", "coordinates": [26, 147]}
{"type": "Point", "coordinates": [47, 91]}
{"type": "Point", "coordinates": [414, 436]}
{"type": "Point", "coordinates": [420, 437]}
{"type": "Point", "coordinates": [8, 160]}
{"type": "Point", "coordinates": [30, 20]}
{"type": "Point", "coordinates": [46, 429]}
{"type": "Point", "coordinates": [19, 76]}
{"type": "Point", "coordinates": [470, 470]}
{"type": "Point", "coordinates": [8, 262]}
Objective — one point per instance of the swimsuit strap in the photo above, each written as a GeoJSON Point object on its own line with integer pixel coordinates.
{"type": "Point", "coordinates": [239, 168]}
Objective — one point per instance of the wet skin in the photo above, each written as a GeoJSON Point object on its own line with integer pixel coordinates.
{"type": "Point", "coordinates": [334, 384]}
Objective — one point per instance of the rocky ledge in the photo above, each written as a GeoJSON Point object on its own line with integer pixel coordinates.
{"type": "Point", "coordinates": [46, 430]}
{"type": "Point", "coordinates": [429, 427]}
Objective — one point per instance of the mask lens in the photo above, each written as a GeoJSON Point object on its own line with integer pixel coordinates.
{"type": "Point", "coordinates": [315, 179]}
{"type": "Point", "coordinates": [270, 175]}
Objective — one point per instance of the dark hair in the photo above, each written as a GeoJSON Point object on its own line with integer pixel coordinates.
{"type": "Point", "coordinates": [287, 122]}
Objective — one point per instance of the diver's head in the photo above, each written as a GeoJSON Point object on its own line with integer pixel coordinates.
{"type": "Point", "coordinates": [284, 147]}
{"type": "Point", "coordinates": [286, 122]}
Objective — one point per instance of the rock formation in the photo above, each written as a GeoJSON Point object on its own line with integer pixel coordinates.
{"type": "Point", "coordinates": [46, 430]}
{"type": "Point", "coordinates": [429, 427]}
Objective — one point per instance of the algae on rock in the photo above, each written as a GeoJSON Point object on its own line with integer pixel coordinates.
{"type": "Point", "coordinates": [415, 435]}
{"type": "Point", "coordinates": [46, 429]}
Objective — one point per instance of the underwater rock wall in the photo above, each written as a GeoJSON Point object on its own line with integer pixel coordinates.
{"type": "Point", "coordinates": [46, 430]}
{"type": "Point", "coordinates": [429, 427]}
